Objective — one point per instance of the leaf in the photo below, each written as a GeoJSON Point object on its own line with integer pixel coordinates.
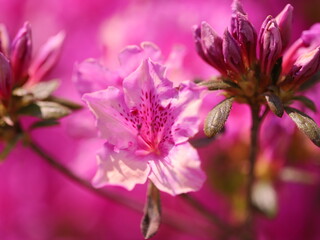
{"type": "Point", "coordinates": [218, 84]}
{"type": "Point", "coordinates": [311, 82]}
{"type": "Point", "coordinates": [31, 110]}
{"type": "Point", "coordinates": [43, 90]}
{"type": "Point", "coordinates": [8, 147]}
{"type": "Point", "coordinates": [45, 110]}
{"type": "Point", "coordinates": [276, 71]}
{"type": "Point", "coordinates": [305, 124]}
{"type": "Point", "coordinates": [152, 212]}
{"type": "Point", "coordinates": [217, 117]}
{"type": "Point", "coordinates": [274, 104]}
{"type": "Point", "coordinates": [307, 102]}
{"type": "Point", "coordinates": [66, 103]}
{"type": "Point", "coordinates": [44, 123]}
{"type": "Point", "coordinates": [52, 110]}
{"type": "Point", "coordinates": [203, 141]}
{"type": "Point", "coordinates": [264, 198]}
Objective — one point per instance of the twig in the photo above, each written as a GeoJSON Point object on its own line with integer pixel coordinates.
{"type": "Point", "coordinates": [170, 219]}
{"type": "Point", "coordinates": [254, 147]}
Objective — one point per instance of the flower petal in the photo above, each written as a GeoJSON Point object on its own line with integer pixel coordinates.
{"type": "Point", "coordinates": [91, 76]}
{"type": "Point", "coordinates": [120, 168]}
{"type": "Point", "coordinates": [112, 116]}
{"type": "Point", "coordinates": [131, 57]}
{"type": "Point", "coordinates": [148, 79]}
{"type": "Point", "coordinates": [179, 172]}
{"type": "Point", "coordinates": [186, 107]}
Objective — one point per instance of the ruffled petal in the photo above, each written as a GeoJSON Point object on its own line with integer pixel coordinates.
{"type": "Point", "coordinates": [186, 107]}
{"type": "Point", "coordinates": [112, 115]}
{"type": "Point", "coordinates": [120, 168]}
{"type": "Point", "coordinates": [179, 172]}
{"type": "Point", "coordinates": [91, 76]}
{"type": "Point", "coordinates": [148, 79]}
{"type": "Point", "coordinates": [131, 57]}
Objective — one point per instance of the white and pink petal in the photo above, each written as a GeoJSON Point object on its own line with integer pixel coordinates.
{"type": "Point", "coordinates": [179, 172]}
{"type": "Point", "coordinates": [120, 168]}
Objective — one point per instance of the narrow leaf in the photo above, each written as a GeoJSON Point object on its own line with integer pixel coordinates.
{"type": "Point", "coordinates": [43, 90]}
{"type": "Point", "coordinates": [203, 141]}
{"type": "Point", "coordinates": [264, 198]}
{"type": "Point", "coordinates": [274, 104]}
{"type": "Point", "coordinates": [66, 103]}
{"type": "Point", "coordinates": [152, 212]}
{"type": "Point", "coordinates": [311, 82]}
{"type": "Point", "coordinates": [307, 102]}
{"type": "Point", "coordinates": [218, 84]}
{"type": "Point", "coordinates": [306, 124]}
{"type": "Point", "coordinates": [9, 147]}
{"type": "Point", "coordinates": [276, 71]}
{"type": "Point", "coordinates": [44, 123]}
{"type": "Point", "coordinates": [217, 117]}
{"type": "Point", "coordinates": [52, 110]}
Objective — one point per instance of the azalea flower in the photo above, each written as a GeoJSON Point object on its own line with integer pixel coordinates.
{"type": "Point", "coordinates": [147, 124]}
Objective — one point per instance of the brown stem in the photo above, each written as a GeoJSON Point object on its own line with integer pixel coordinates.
{"type": "Point", "coordinates": [254, 148]}
{"type": "Point", "coordinates": [208, 214]}
{"type": "Point", "coordinates": [170, 219]}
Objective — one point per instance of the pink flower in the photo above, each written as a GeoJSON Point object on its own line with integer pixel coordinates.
{"type": "Point", "coordinates": [147, 124]}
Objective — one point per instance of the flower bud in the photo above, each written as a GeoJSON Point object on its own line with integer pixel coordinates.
{"type": "Point", "coordinates": [5, 77]}
{"type": "Point", "coordinates": [46, 58]}
{"type": "Point", "coordinates": [284, 21]}
{"type": "Point", "coordinates": [236, 7]}
{"type": "Point", "coordinates": [243, 31]}
{"type": "Point", "coordinates": [21, 50]}
{"type": "Point", "coordinates": [269, 45]}
{"type": "Point", "coordinates": [309, 40]}
{"type": "Point", "coordinates": [305, 67]}
{"type": "Point", "coordinates": [232, 53]}
{"type": "Point", "coordinates": [4, 40]}
{"type": "Point", "coordinates": [209, 46]}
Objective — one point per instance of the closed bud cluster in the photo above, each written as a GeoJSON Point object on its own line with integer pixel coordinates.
{"type": "Point", "coordinates": [17, 66]}
{"type": "Point", "coordinates": [258, 65]}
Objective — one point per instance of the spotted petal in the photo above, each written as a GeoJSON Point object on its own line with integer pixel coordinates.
{"type": "Point", "coordinates": [112, 116]}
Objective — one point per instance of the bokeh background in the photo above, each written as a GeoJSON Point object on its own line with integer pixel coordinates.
{"type": "Point", "coordinates": [39, 203]}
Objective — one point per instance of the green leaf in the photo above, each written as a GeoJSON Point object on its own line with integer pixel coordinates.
{"type": "Point", "coordinates": [264, 198]}
{"type": "Point", "coordinates": [305, 124]}
{"type": "Point", "coordinates": [52, 110]}
{"type": "Point", "coordinates": [43, 90]}
{"type": "Point", "coordinates": [30, 110]}
{"type": "Point", "coordinates": [66, 103]}
{"type": "Point", "coordinates": [152, 212]}
{"type": "Point", "coordinates": [44, 123]}
{"type": "Point", "coordinates": [307, 102]}
{"type": "Point", "coordinates": [217, 117]}
{"type": "Point", "coordinates": [276, 71]}
{"type": "Point", "coordinates": [218, 84]}
{"type": "Point", "coordinates": [274, 103]}
{"type": "Point", "coordinates": [311, 82]}
{"type": "Point", "coordinates": [45, 110]}
{"type": "Point", "coordinates": [9, 147]}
